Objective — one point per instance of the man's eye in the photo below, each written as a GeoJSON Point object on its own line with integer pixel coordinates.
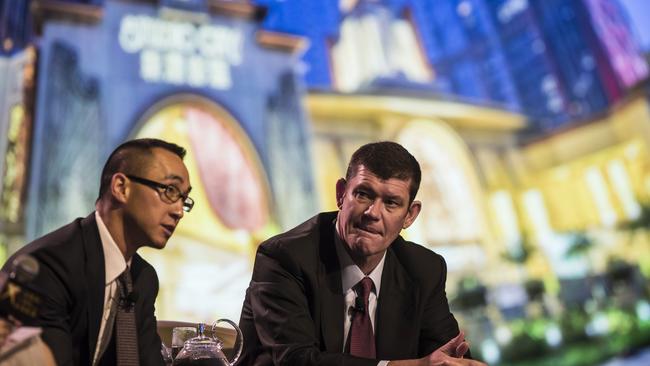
{"type": "Point", "coordinates": [173, 191]}
{"type": "Point", "coordinates": [362, 195]}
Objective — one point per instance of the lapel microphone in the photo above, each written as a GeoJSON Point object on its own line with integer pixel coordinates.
{"type": "Point", "coordinates": [131, 297]}
{"type": "Point", "coordinates": [128, 300]}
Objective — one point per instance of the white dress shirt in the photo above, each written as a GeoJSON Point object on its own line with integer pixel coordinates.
{"type": "Point", "coordinates": [115, 264]}
{"type": "Point", "coordinates": [351, 275]}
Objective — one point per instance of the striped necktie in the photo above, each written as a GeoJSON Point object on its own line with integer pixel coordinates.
{"type": "Point", "coordinates": [125, 327]}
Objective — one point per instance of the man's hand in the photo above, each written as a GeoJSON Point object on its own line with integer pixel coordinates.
{"type": "Point", "coordinates": [456, 347]}
{"type": "Point", "coordinates": [5, 329]}
{"type": "Point", "coordinates": [451, 354]}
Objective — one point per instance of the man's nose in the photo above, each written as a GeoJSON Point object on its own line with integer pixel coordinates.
{"type": "Point", "coordinates": [177, 212]}
{"type": "Point", "coordinates": [374, 209]}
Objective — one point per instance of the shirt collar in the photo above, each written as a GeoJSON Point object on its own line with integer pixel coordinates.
{"type": "Point", "coordinates": [351, 274]}
{"type": "Point", "coordinates": [113, 257]}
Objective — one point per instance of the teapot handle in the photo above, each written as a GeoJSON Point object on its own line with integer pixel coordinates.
{"type": "Point", "coordinates": [239, 342]}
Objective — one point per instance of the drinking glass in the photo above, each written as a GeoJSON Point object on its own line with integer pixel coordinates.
{"type": "Point", "coordinates": [179, 336]}
{"type": "Point", "coordinates": [167, 354]}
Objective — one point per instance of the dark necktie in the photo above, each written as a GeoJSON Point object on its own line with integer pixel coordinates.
{"type": "Point", "coordinates": [125, 328]}
{"type": "Point", "coordinates": [362, 338]}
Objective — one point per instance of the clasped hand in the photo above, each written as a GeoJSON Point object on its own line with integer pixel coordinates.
{"type": "Point", "coordinates": [451, 354]}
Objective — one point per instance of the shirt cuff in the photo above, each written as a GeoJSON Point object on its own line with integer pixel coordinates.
{"type": "Point", "coordinates": [382, 363]}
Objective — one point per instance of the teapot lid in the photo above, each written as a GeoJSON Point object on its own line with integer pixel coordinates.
{"type": "Point", "coordinates": [201, 347]}
{"type": "Point", "coordinates": [201, 341]}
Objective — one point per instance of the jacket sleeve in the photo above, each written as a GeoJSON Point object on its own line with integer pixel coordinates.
{"type": "Point", "coordinates": [53, 316]}
{"type": "Point", "coordinates": [278, 302]}
{"type": "Point", "coordinates": [438, 323]}
{"type": "Point", "coordinates": [148, 338]}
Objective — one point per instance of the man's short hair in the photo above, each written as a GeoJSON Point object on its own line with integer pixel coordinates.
{"type": "Point", "coordinates": [387, 159]}
{"type": "Point", "coordinates": [132, 157]}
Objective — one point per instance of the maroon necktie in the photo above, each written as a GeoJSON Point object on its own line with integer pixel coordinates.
{"type": "Point", "coordinates": [362, 338]}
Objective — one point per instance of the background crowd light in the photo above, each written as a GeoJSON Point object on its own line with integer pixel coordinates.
{"type": "Point", "coordinates": [530, 118]}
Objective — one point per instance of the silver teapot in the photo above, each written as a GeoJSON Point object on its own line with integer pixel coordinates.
{"type": "Point", "coordinates": [203, 350]}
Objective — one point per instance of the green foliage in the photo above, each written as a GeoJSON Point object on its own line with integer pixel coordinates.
{"type": "Point", "coordinates": [471, 294]}
{"type": "Point", "coordinates": [572, 325]}
{"type": "Point", "coordinates": [3, 248]}
{"type": "Point", "coordinates": [535, 289]}
{"type": "Point", "coordinates": [535, 328]}
{"type": "Point", "coordinates": [523, 252]}
{"type": "Point", "coordinates": [524, 346]}
{"type": "Point", "coordinates": [641, 222]}
{"type": "Point", "coordinates": [580, 244]}
{"type": "Point", "coordinates": [626, 335]}
{"type": "Point", "coordinates": [619, 270]}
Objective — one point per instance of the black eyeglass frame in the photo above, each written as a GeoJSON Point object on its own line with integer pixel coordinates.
{"type": "Point", "coordinates": [167, 189]}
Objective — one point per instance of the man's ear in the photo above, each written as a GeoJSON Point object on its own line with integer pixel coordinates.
{"type": "Point", "coordinates": [120, 187]}
{"type": "Point", "coordinates": [340, 192]}
{"type": "Point", "coordinates": [412, 214]}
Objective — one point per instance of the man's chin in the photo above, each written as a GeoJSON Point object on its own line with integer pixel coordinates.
{"type": "Point", "coordinates": [365, 246]}
{"type": "Point", "coordinates": [157, 244]}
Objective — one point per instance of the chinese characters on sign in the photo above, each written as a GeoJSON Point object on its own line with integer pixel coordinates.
{"type": "Point", "coordinates": [182, 53]}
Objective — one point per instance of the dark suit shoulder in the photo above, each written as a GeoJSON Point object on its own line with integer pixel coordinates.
{"type": "Point", "coordinates": [302, 238]}
{"type": "Point", "coordinates": [141, 267]}
{"type": "Point", "coordinates": [61, 245]}
{"type": "Point", "coordinates": [144, 275]}
{"type": "Point", "coordinates": [422, 264]}
{"type": "Point", "coordinates": [145, 286]}
{"type": "Point", "coordinates": [299, 247]}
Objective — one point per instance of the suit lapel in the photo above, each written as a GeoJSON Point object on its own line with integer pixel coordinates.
{"type": "Point", "coordinates": [395, 310]}
{"type": "Point", "coordinates": [95, 278]}
{"type": "Point", "coordinates": [137, 265]}
{"type": "Point", "coordinates": [329, 277]}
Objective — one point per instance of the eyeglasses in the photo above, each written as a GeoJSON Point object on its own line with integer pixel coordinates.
{"type": "Point", "coordinates": [172, 193]}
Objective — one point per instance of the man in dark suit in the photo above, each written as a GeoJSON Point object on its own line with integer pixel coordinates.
{"type": "Point", "coordinates": [345, 289]}
{"type": "Point", "coordinates": [85, 266]}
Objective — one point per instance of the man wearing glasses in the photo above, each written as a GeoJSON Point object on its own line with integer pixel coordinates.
{"type": "Point", "coordinates": [99, 294]}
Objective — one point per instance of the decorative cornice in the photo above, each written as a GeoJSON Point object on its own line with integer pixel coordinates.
{"type": "Point", "coordinates": [355, 107]}
{"type": "Point", "coordinates": [240, 9]}
{"type": "Point", "coordinates": [52, 9]}
{"type": "Point", "coordinates": [281, 41]}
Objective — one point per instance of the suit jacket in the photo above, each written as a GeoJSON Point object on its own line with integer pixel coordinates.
{"type": "Point", "coordinates": [294, 307]}
{"type": "Point", "coordinates": [72, 280]}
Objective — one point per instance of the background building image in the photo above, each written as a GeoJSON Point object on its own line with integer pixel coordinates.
{"type": "Point", "coordinates": [530, 118]}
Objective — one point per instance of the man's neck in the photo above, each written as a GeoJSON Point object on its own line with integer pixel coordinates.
{"type": "Point", "coordinates": [115, 226]}
{"type": "Point", "coordinates": [366, 264]}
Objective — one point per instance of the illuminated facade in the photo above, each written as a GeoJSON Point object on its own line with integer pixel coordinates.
{"type": "Point", "coordinates": [269, 130]}
{"type": "Point", "coordinates": [15, 26]}
{"type": "Point", "coordinates": [592, 180]}
{"type": "Point", "coordinates": [570, 38]}
{"type": "Point", "coordinates": [452, 141]}
{"type": "Point", "coordinates": [570, 60]}
{"type": "Point", "coordinates": [16, 102]}
{"type": "Point", "coordinates": [466, 52]}
{"type": "Point", "coordinates": [207, 77]}
{"type": "Point", "coordinates": [555, 61]}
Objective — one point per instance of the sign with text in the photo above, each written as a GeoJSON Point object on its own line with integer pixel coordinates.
{"type": "Point", "coordinates": [182, 53]}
